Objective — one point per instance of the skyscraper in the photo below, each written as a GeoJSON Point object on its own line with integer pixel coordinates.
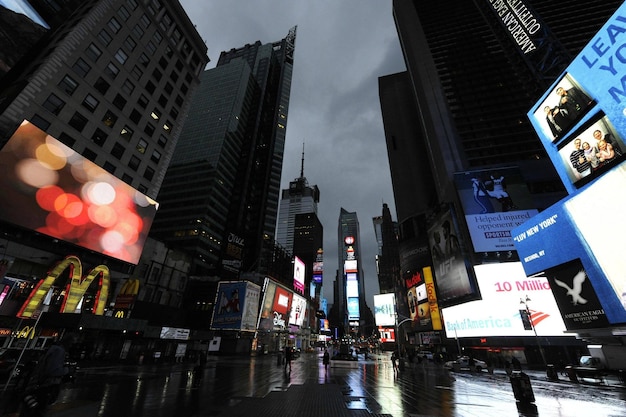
{"type": "Point", "coordinates": [474, 70]}
{"type": "Point", "coordinates": [220, 195]}
{"type": "Point", "coordinates": [351, 301]}
{"type": "Point", "coordinates": [299, 198]}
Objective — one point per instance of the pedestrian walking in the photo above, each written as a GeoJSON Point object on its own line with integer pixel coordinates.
{"type": "Point", "coordinates": [326, 360]}
{"type": "Point", "coordinates": [394, 360]}
{"type": "Point", "coordinates": [44, 383]}
{"type": "Point", "coordinates": [288, 357]}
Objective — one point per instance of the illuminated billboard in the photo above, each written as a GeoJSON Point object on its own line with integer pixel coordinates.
{"type": "Point", "coordinates": [236, 306]}
{"type": "Point", "coordinates": [573, 230]}
{"type": "Point", "coordinates": [298, 274]}
{"type": "Point", "coordinates": [454, 282]}
{"type": "Point", "coordinates": [50, 188]}
{"type": "Point", "coordinates": [276, 306]}
{"type": "Point", "coordinates": [298, 310]}
{"type": "Point", "coordinates": [384, 309]}
{"type": "Point", "coordinates": [494, 202]}
{"type": "Point", "coordinates": [503, 286]}
{"type": "Point", "coordinates": [590, 96]}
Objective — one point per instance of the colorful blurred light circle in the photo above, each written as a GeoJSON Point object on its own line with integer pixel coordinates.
{"type": "Point", "coordinates": [31, 172]}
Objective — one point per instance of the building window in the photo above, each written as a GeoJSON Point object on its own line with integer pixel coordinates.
{"type": "Point", "coordinates": [128, 87]}
{"type": "Point", "coordinates": [93, 52]}
{"type": "Point", "coordinates": [157, 74]}
{"type": "Point", "coordinates": [141, 146]}
{"type": "Point", "coordinates": [123, 13]}
{"type": "Point", "coordinates": [145, 21]}
{"type": "Point", "coordinates": [167, 126]}
{"type": "Point", "coordinates": [68, 85]}
{"type": "Point", "coordinates": [118, 150]}
{"type": "Point", "coordinates": [130, 43]}
{"type": "Point", "coordinates": [142, 189]}
{"type": "Point", "coordinates": [90, 103]}
{"type": "Point", "coordinates": [132, 4]}
{"type": "Point", "coordinates": [134, 163]}
{"type": "Point", "coordinates": [162, 101]}
{"type": "Point", "coordinates": [179, 100]}
{"type": "Point", "coordinates": [121, 56]}
{"type": "Point", "coordinates": [135, 116]}
{"type": "Point", "coordinates": [156, 114]}
{"type": "Point", "coordinates": [89, 154]}
{"type": "Point", "coordinates": [149, 129]}
{"type": "Point", "coordinates": [150, 87]}
{"type": "Point", "coordinates": [109, 118]}
{"type": "Point", "coordinates": [119, 101]}
{"type": "Point", "coordinates": [109, 167]}
{"type": "Point", "coordinates": [114, 25]}
{"type": "Point", "coordinates": [67, 139]}
{"type": "Point", "coordinates": [127, 179]}
{"type": "Point", "coordinates": [104, 37]}
{"type": "Point", "coordinates": [174, 113]}
{"type": "Point", "coordinates": [179, 65]}
{"type": "Point", "coordinates": [184, 89]}
{"type": "Point", "coordinates": [148, 173]}
{"type": "Point", "coordinates": [99, 137]}
{"type": "Point", "coordinates": [54, 104]}
{"type": "Point", "coordinates": [111, 70]}
{"type": "Point", "coordinates": [40, 122]}
{"type": "Point", "coordinates": [138, 31]}
{"type": "Point", "coordinates": [81, 67]}
{"type": "Point", "coordinates": [137, 72]}
{"type": "Point", "coordinates": [126, 133]}
{"type": "Point", "coordinates": [151, 48]}
{"type": "Point", "coordinates": [169, 52]}
{"type": "Point", "coordinates": [174, 76]}
{"type": "Point", "coordinates": [142, 101]}
{"type": "Point", "coordinates": [144, 60]}
{"type": "Point", "coordinates": [168, 88]}
{"type": "Point", "coordinates": [78, 121]}
{"type": "Point", "coordinates": [156, 156]}
{"type": "Point", "coordinates": [102, 86]}
{"type": "Point", "coordinates": [162, 141]}
{"type": "Point", "coordinates": [157, 37]}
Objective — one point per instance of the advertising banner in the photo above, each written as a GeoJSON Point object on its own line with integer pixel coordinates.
{"type": "Point", "coordinates": [298, 310]}
{"type": "Point", "coordinates": [454, 284]}
{"type": "Point", "coordinates": [276, 306]}
{"type": "Point", "coordinates": [574, 230]}
{"type": "Point", "coordinates": [384, 309]}
{"type": "Point", "coordinates": [236, 306]}
{"type": "Point", "coordinates": [50, 188]}
{"type": "Point", "coordinates": [298, 274]}
{"type": "Point", "coordinates": [580, 119]}
{"type": "Point", "coordinates": [503, 287]}
{"type": "Point", "coordinates": [494, 202]}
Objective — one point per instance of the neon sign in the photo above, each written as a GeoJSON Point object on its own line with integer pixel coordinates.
{"type": "Point", "coordinates": [75, 290]}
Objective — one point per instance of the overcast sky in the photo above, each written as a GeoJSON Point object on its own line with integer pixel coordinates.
{"type": "Point", "coordinates": [342, 47]}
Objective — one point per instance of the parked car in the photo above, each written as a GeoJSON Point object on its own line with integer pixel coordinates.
{"type": "Point", "coordinates": [425, 354]}
{"type": "Point", "coordinates": [464, 363]}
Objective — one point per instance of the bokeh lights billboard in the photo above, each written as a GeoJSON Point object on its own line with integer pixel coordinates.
{"type": "Point", "coordinates": [50, 188]}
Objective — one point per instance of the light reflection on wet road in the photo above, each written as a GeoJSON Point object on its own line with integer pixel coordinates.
{"type": "Point", "coordinates": [425, 389]}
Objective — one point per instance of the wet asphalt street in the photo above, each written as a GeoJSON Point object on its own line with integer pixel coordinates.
{"type": "Point", "coordinates": [370, 388]}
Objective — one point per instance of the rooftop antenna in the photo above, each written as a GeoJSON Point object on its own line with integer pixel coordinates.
{"type": "Point", "coordinates": [302, 164]}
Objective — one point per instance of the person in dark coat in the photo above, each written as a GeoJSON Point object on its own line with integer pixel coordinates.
{"type": "Point", "coordinates": [326, 360]}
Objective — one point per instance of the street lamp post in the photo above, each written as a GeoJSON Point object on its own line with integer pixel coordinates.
{"type": "Point", "coordinates": [525, 301]}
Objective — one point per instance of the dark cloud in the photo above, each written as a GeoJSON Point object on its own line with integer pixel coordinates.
{"type": "Point", "coordinates": [342, 47]}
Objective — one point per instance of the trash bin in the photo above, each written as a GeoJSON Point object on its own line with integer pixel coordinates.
{"type": "Point", "coordinates": [551, 373]}
{"type": "Point", "coordinates": [522, 390]}
{"type": "Point", "coordinates": [571, 373]}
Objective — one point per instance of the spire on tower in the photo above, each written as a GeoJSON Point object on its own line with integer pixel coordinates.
{"type": "Point", "coordinates": [302, 163]}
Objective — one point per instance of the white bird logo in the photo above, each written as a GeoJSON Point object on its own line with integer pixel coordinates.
{"type": "Point", "coordinates": [577, 287]}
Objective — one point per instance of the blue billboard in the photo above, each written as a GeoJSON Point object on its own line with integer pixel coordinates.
{"type": "Point", "coordinates": [580, 119]}
{"type": "Point", "coordinates": [578, 243]}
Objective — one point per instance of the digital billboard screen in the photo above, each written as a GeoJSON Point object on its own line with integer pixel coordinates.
{"type": "Point", "coordinates": [384, 309]}
{"type": "Point", "coordinates": [298, 274]}
{"type": "Point", "coordinates": [503, 286]}
{"type": "Point", "coordinates": [494, 202]}
{"type": "Point", "coordinates": [53, 190]}
{"type": "Point", "coordinates": [452, 277]}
